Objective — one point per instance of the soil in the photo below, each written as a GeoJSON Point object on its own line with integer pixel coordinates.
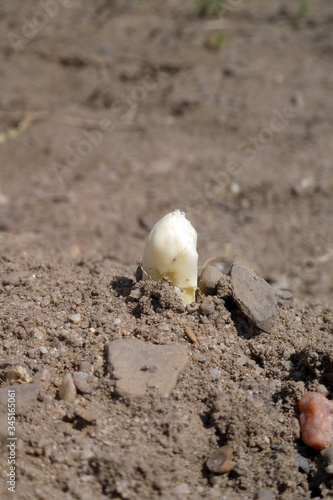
{"type": "Point", "coordinates": [114, 113]}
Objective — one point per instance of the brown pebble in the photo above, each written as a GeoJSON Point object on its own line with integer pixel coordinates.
{"type": "Point", "coordinates": [190, 308]}
{"type": "Point", "coordinates": [207, 307]}
{"type": "Point", "coordinates": [296, 428]}
{"type": "Point", "coordinates": [209, 279]}
{"type": "Point", "coordinates": [220, 461]}
{"type": "Point", "coordinates": [190, 334]}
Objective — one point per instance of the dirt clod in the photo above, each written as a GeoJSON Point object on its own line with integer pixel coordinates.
{"type": "Point", "coordinates": [207, 307]}
{"type": "Point", "coordinates": [208, 280]}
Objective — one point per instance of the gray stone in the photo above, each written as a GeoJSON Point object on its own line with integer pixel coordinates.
{"type": "Point", "coordinates": [302, 463]}
{"type": "Point", "coordinates": [254, 296]}
{"type": "Point", "coordinates": [137, 366]}
{"type": "Point", "coordinates": [67, 390]}
{"type": "Point", "coordinates": [81, 382]}
{"type": "Point", "coordinates": [209, 279]}
{"type": "Point", "coordinates": [25, 397]}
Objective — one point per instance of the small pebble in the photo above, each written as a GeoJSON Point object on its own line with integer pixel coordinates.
{"type": "Point", "coordinates": [38, 334]}
{"type": "Point", "coordinates": [220, 461]}
{"type": "Point", "coordinates": [67, 390]}
{"type": "Point", "coordinates": [190, 334]}
{"type": "Point", "coordinates": [207, 307]}
{"type": "Point", "coordinates": [116, 321]}
{"type": "Point", "coordinates": [209, 279]}
{"type": "Point", "coordinates": [296, 428]}
{"type": "Point", "coordinates": [316, 420]}
{"type": "Point", "coordinates": [75, 318]}
{"type": "Point", "coordinates": [190, 308]}
{"type": "Point", "coordinates": [81, 384]}
{"type": "Point", "coordinates": [302, 463]}
{"type": "Point", "coordinates": [235, 188]}
{"type": "Point", "coordinates": [135, 294]}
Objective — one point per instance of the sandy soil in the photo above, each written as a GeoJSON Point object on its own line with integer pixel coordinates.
{"type": "Point", "coordinates": [114, 113]}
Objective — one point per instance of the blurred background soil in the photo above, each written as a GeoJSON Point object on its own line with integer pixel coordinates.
{"type": "Point", "coordinates": [114, 113]}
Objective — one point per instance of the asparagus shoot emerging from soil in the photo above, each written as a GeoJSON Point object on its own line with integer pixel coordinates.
{"type": "Point", "coordinates": [171, 251]}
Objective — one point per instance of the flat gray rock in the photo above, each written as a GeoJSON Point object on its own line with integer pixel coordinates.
{"type": "Point", "coordinates": [137, 366]}
{"type": "Point", "coordinates": [254, 296]}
